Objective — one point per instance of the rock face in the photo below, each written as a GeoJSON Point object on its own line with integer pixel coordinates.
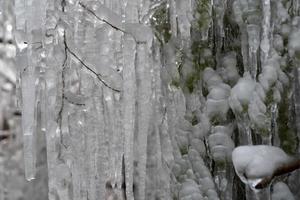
{"type": "Point", "coordinates": [146, 100]}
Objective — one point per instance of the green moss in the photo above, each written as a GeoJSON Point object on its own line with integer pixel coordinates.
{"type": "Point", "coordinates": [200, 49]}
{"type": "Point", "coordinates": [200, 61]}
{"type": "Point", "coordinates": [287, 136]}
{"type": "Point", "coordinates": [289, 67]}
{"type": "Point", "coordinates": [216, 120]}
{"type": "Point", "coordinates": [203, 10]}
{"type": "Point", "coordinates": [175, 83]}
{"type": "Point", "coordinates": [220, 164]}
{"type": "Point", "coordinates": [269, 97]}
{"type": "Point", "coordinates": [245, 108]}
{"type": "Point", "coordinates": [205, 91]}
{"type": "Point", "coordinates": [160, 22]}
{"type": "Point", "coordinates": [263, 131]}
{"type": "Point", "coordinates": [189, 83]}
{"type": "Point", "coordinates": [194, 120]}
{"type": "Point", "coordinates": [230, 116]}
{"type": "Point", "coordinates": [184, 150]}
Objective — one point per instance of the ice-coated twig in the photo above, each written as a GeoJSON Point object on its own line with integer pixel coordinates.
{"type": "Point", "coordinates": [284, 169]}
{"type": "Point", "coordinates": [60, 112]}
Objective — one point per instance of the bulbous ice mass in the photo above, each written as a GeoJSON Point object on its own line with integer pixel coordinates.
{"type": "Point", "coordinates": [257, 162]}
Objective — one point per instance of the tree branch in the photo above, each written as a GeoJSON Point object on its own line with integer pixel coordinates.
{"type": "Point", "coordinates": [284, 169]}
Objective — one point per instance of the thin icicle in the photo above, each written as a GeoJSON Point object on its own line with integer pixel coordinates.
{"type": "Point", "coordinates": [173, 17]}
{"type": "Point", "coordinates": [253, 31]}
{"type": "Point", "coordinates": [129, 96]}
{"type": "Point", "coordinates": [42, 101]}
{"type": "Point", "coordinates": [266, 30]}
{"type": "Point", "coordinates": [29, 122]}
{"type": "Point", "coordinates": [144, 112]}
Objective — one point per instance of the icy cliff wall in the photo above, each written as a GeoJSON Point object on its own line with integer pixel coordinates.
{"type": "Point", "coordinates": [145, 99]}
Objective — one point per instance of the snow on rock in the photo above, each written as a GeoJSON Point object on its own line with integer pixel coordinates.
{"type": "Point", "coordinates": [256, 162]}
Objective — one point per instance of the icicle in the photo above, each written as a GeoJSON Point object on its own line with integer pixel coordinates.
{"type": "Point", "coordinates": [221, 146]}
{"type": "Point", "coordinates": [34, 20]}
{"type": "Point", "coordinates": [238, 13]}
{"type": "Point", "coordinates": [29, 122]}
{"type": "Point", "coordinates": [203, 8]}
{"type": "Point", "coordinates": [273, 128]}
{"type": "Point", "coordinates": [129, 97]}
{"type": "Point", "coordinates": [183, 11]}
{"type": "Point", "coordinates": [173, 17]}
{"type": "Point", "coordinates": [143, 115]}
{"type": "Point", "coordinates": [219, 7]}
{"type": "Point", "coordinates": [297, 100]}
{"type": "Point", "coordinates": [295, 7]}
{"type": "Point", "coordinates": [29, 119]}
{"type": "Point", "coordinates": [253, 31]}
{"type": "Point", "coordinates": [42, 100]}
{"type": "Point", "coordinates": [77, 126]}
{"type": "Point", "coordinates": [266, 31]}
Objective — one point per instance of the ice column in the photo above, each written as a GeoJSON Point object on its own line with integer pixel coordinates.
{"type": "Point", "coordinates": [34, 20]}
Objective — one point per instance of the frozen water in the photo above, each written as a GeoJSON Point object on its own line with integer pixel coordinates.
{"type": "Point", "coordinates": [147, 99]}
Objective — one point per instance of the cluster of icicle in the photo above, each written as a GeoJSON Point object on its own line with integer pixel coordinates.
{"type": "Point", "coordinates": [128, 111]}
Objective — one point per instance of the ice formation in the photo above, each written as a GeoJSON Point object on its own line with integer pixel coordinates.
{"type": "Point", "coordinates": [257, 162]}
{"type": "Point", "coordinates": [148, 99]}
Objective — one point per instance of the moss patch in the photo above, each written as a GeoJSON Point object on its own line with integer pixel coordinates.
{"type": "Point", "coordinates": [190, 82]}
{"type": "Point", "coordinates": [287, 136]}
{"type": "Point", "coordinates": [175, 83]}
{"type": "Point", "coordinates": [184, 150]}
{"type": "Point", "coordinates": [203, 14]}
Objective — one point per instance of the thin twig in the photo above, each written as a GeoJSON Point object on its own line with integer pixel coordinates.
{"type": "Point", "coordinates": [103, 20]}
{"type": "Point", "coordinates": [72, 102]}
{"type": "Point", "coordinates": [110, 24]}
{"type": "Point", "coordinates": [59, 119]}
{"type": "Point", "coordinates": [89, 69]}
